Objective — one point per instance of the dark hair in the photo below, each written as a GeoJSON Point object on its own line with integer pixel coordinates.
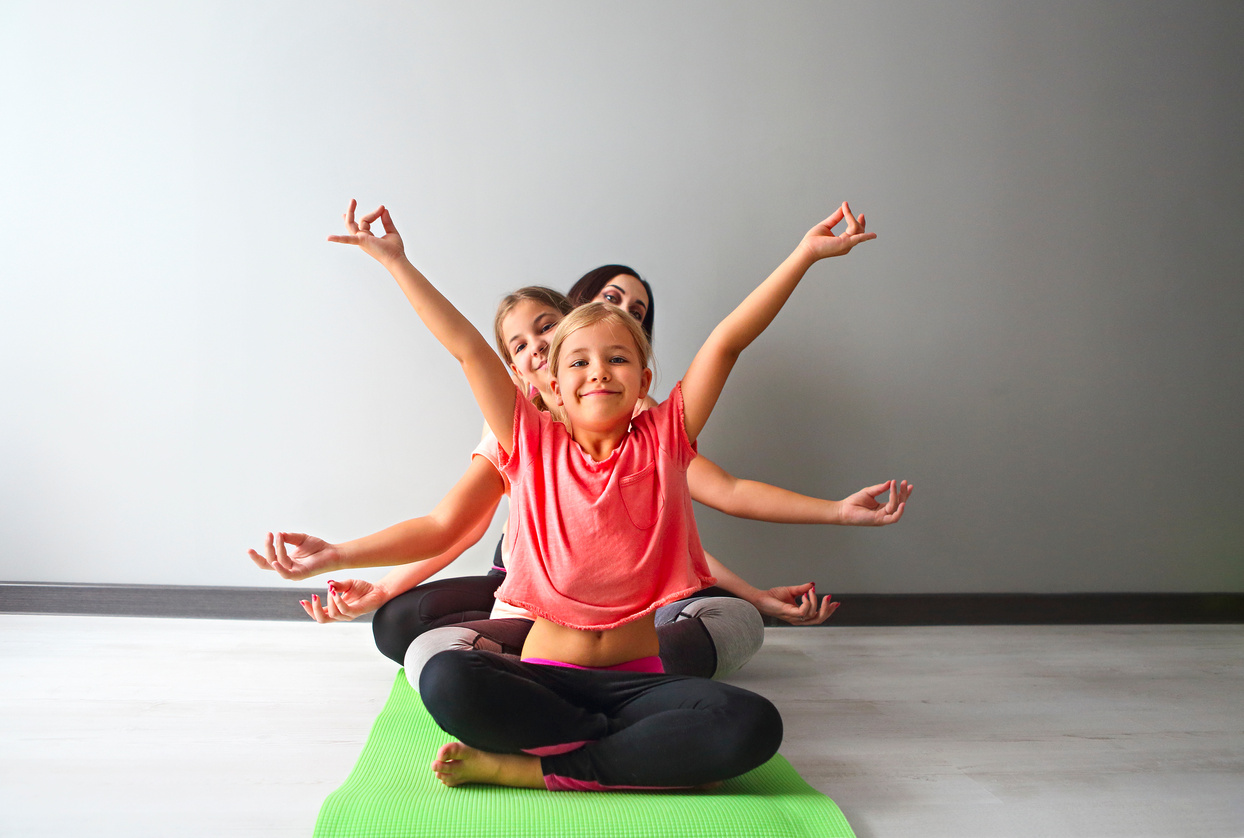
{"type": "Point", "coordinates": [589, 285]}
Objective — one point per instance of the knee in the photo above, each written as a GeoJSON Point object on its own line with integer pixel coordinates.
{"type": "Point", "coordinates": [440, 682]}
{"type": "Point", "coordinates": [427, 645]}
{"type": "Point", "coordinates": [753, 732]}
{"type": "Point", "coordinates": [736, 627]}
{"type": "Point", "coordinates": [767, 731]}
{"type": "Point", "coordinates": [723, 610]}
{"type": "Point", "coordinates": [457, 691]}
{"type": "Point", "coordinates": [392, 629]}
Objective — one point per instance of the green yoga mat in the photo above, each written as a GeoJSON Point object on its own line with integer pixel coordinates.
{"type": "Point", "coordinates": [392, 793]}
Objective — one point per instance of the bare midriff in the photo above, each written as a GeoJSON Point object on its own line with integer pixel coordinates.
{"type": "Point", "coordinates": [550, 641]}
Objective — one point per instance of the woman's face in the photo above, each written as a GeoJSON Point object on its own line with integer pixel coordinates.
{"type": "Point", "coordinates": [627, 293]}
{"type": "Point", "coordinates": [528, 329]}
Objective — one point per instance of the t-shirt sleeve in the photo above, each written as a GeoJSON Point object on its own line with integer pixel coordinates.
{"type": "Point", "coordinates": [491, 451]}
{"type": "Point", "coordinates": [526, 443]}
{"type": "Point", "coordinates": [670, 417]}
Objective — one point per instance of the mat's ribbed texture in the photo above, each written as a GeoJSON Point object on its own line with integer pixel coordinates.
{"type": "Point", "coordinates": [392, 793]}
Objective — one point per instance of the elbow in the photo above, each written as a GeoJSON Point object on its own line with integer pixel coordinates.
{"type": "Point", "coordinates": [743, 502]}
{"type": "Point", "coordinates": [726, 345]}
{"type": "Point", "coordinates": [723, 500]}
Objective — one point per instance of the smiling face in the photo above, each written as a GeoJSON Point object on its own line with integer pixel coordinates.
{"type": "Point", "coordinates": [601, 375]}
{"type": "Point", "coordinates": [627, 293]}
{"type": "Point", "coordinates": [527, 330]}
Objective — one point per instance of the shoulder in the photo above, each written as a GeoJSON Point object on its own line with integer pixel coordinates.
{"type": "Point", "coordinates": [646, 403]}
{"type": "Point", "coordinates": [667, 411]}
{"type": "Point", "coordinates": [533, 431]}
{"type": "Point", "coordinates": [529, 417]}
{"type": "Point", "coordinates": [667, 422]}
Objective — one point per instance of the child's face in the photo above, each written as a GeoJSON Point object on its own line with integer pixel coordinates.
{"type": "Point", "coordinates": [528, 328]}
{"type": "Point", "coordinates": [627, 293]}
{"type": "Point", "coordinates": [599, 378]}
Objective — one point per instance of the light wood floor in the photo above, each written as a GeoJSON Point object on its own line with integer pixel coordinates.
{"type": "Point", "coordinates": [163, 727]}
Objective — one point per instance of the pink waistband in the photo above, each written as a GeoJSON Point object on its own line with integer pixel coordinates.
{"type": "Point", "coordinates": [651, 663]}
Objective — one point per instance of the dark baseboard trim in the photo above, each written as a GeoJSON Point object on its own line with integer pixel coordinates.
{"type": "Point", "coordinates": [204, 602]}
{"type": "Point", "coordinates": [1035, 609]}
{"type": "Point", "coordinates": [229, 603]}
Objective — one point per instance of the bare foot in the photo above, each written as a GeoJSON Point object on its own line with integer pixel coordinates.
{"type": "Point", "coordinates": [457, 764]}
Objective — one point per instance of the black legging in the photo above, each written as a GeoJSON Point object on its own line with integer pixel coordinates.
{"type": "Point", "coordinates": [597, 730]}
{"type": "Point", "coordinates": [445, 602]}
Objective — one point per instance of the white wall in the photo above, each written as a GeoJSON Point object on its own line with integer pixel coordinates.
{"type": "Point", "coordinates": [1045, 337]}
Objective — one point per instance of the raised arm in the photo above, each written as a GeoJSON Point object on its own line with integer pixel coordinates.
{"type": "Point", "coordinates": [489, 379]}
{"type": "Point", "coordinates": [713, 486]}
{"type": "Point", "coordinates": [711, 366]}
{"type": "Point", "coordinates": [472, 499]}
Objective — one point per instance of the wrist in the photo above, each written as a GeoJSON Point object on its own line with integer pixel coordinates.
{"type": "Point", "coordinates": [804, 256]}
{"type": "Point", "coordinates": [344, 556]}
{"type": "Point", "coordinates": [396, 264]}
{"type": "Point", "coordinates": [382, 592]}
{"type": "Point", "coordinates": [335, 562]}
{"type": "Point", "coordinates": [749, 594]}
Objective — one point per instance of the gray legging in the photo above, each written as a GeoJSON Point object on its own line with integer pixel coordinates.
{"type": "Point", "coordinates": [709, 637]}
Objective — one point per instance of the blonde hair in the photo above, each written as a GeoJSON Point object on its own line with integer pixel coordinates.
{"type": "Point", "coordinates": [589, 315]}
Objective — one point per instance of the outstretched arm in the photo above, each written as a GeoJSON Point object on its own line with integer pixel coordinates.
{"type": "Point", "coordinates": [351, 598]}
{"type": "Point", "coordinates": [712, 364]}
{"type": "Point", "coordinates": [473, 499]}
{"type": "Point", "coordinates": [713, 486]}
{"type": "Point", "coordinates": [489, 379]}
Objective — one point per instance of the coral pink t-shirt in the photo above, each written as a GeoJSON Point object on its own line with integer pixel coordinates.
{"type": "Point", "coordinates": [490, 451]}
{"type": "Point", "coordinates": [595, 545]}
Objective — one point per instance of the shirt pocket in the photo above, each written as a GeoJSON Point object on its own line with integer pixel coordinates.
{"type": "Point", "coordinates": [641, 497]}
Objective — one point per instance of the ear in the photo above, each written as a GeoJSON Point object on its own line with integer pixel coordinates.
{"type": "Point", "coordinates": [557, 391]}
{"type": "Point", "coordinates": [524, 386]}
{"type": "Point", "coordinates": [516, 378]}
{"type": "Point", "coordinates": [645, 381]}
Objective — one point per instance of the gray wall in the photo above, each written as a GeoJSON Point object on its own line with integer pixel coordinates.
{"type": "Point", "coordinates": [1045, 337]}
